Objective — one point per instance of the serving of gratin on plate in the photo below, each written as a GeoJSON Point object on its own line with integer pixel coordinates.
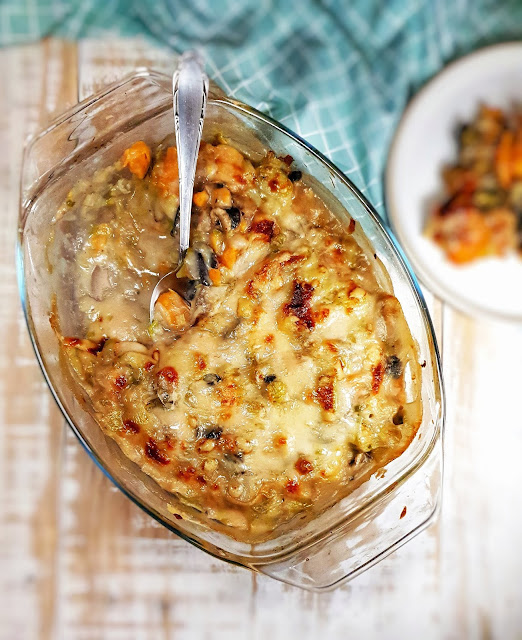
{"type": "Point", "coordinates": [285, 413]}
{"type": "Point", "coordinates": [482, 213]}
{"type": "Point", "coordinates": [454, 182]}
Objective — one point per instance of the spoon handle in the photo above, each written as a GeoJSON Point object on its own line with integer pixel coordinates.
{"type": "Point", "coordinates": [190, 91]}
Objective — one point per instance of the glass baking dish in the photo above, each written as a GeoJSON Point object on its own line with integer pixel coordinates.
{"type": "Point", "coordinates": [358, 530]}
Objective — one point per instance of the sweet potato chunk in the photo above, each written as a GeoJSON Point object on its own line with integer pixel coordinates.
{"type": "Point", "coordinates": [165, 174]}
{"type": "Point", "coordinates": [172, 311]}
{"type": "Point", "coordinates": [137, 159]}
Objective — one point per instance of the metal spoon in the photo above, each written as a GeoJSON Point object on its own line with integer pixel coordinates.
{"type": "Point", "coordinates": [190, 91]}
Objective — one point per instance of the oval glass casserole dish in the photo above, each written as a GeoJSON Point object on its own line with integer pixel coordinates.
{"type": "Point", "coordinates": [290, 419]}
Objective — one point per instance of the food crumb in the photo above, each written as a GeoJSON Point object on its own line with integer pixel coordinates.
{"type": "Point", "coordinates": [403, 513]}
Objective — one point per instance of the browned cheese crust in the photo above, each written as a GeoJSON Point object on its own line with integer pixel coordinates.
{"type": "Point", "coordinates": [292, 376]}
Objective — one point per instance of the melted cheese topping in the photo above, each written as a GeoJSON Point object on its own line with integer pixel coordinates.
{"type": "Point", "coordinates": [292, 377]}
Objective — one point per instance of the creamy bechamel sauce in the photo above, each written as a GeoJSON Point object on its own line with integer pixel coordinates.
{"type": "Point", "coordinates": [292, 376]}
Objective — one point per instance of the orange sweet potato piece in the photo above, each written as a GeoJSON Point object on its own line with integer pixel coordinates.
{"type": "Point", "coordinates": [137, 159]}
{"type": "Point", "coordinates": [215, 276]}
{"type": "Point", "coordinates": [229, 257]}
{"type": "Point", "coordinates": [172, 311]}
{"type": "Point", "coordinates": [464, 235]}
{"type": "Point", "coordinates": [165, 174]}
{"type": "Point", "coordinates": [200, 198]}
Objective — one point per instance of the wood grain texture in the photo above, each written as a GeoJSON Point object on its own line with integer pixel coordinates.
{"type": "Point", "coordinates": [78, 561]}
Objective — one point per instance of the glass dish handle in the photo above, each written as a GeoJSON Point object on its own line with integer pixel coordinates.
{"type": "Point", "coordinates": [368, 537]}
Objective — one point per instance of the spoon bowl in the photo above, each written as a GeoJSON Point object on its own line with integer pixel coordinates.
{"type": "Point", "coordinates": [184, 287]}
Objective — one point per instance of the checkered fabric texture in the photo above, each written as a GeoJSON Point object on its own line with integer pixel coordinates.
{"type": "Point", "coordinates": [339, 73]}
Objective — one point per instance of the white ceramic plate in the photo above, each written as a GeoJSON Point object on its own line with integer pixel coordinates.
{"type": "Point", "coordinates": [425, 141]}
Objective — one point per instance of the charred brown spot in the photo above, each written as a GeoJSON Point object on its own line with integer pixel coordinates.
{"type": "Point", "coordinates": [324, 393]}
{"type": "Point", "coordinates": [264, 273]}
{"type": "Point", "coordinates": [321, 315]}
{"type": "Point", "coordinates": [251, 290]}
{"type": "Point", "coordinates": [96, 349]}
{"type": "Point", "coordinates": [403, 513]}
{"type": "Point", "coordinates": [129, 426]}
{"type": "Point", "coordinates": [200, 362]}
{"type": "Point", "coordinates": [351, 226]}
{"type": "Point", "coordinates": [299, 305]}
{"type": "Point", "coordinates": [149, 365]}
{"type": "Point", "coordinates": [264, 227]}
{"type": "Point", "coordinates": [71, 342]}
{"type": "Point", "coordinates": [287, 160]}
{"type": "Point", "coordinates": [177, 516]}
{"type": "Point", "coordinates": [120, 382]}
{"type": "Point", "coordinates": [269, 338]}
{"type": "Point", "coordinates": [154, 452]}
{"type": "Point", "coordinates": [280, 441]}
{"type": "Point", "coordinates": [273, 184]}
{"type": "Point", "coordinates": [351, 287]}
{"type": "Point", "coordinates": [168, 377]}
{"type": "Point", "coordinates": [170, 442]}
{"type": "Point", "coordinates": [292, 259]}
{"type": "Point", "coordinates": [331, 347]}
{"type": "Point", "coordinates": [304, 466]}
{"type": "Point", "coordinates": [338, 255]}
{"type": "Point", "coordinates": [377, 376]}
{"type": "Point", "coordinates": [186, 474]}
{"type": "Point", "coordinates": [201, 480]}
{"type": "Point", "coordinates": [228, 394]}
{"type": "Point", "coordinates": [292, 486]}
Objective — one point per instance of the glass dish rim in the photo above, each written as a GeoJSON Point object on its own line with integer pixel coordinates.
{"type": "Point", "coordinates": [285, 552]}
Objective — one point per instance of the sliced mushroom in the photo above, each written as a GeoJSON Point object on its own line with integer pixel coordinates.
{"type": "Point", "coordinates": [221, 219]}
{"type": "Point", "coordinates": [212, 378]}
{"type": "Point", "coordinates": [100, 282]}
{"type": "Point", "coordinates": [203, 271]}
{"type": "Point", "coordinates": [235, 216]}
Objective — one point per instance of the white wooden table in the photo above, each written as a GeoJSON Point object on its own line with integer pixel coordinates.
{"type": "Point", "coordinates": [78, 561]}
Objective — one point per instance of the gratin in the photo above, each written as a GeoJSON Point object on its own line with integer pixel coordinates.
{"type": "Point", "coordinates": [288, 378]}
{"type": "Point", "coordinates": [482, 215]}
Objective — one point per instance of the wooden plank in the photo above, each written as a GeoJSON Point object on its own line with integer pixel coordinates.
{"type": "Point", "coordinates": [481, 523]}
{"type": "Point", "coordinates": [41, 81]}
{"type": "Point", "coordinates": [104, 62]}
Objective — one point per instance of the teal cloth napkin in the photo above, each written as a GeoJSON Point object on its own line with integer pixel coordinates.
{"type": "Point", "coordinates": [339, 73]}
